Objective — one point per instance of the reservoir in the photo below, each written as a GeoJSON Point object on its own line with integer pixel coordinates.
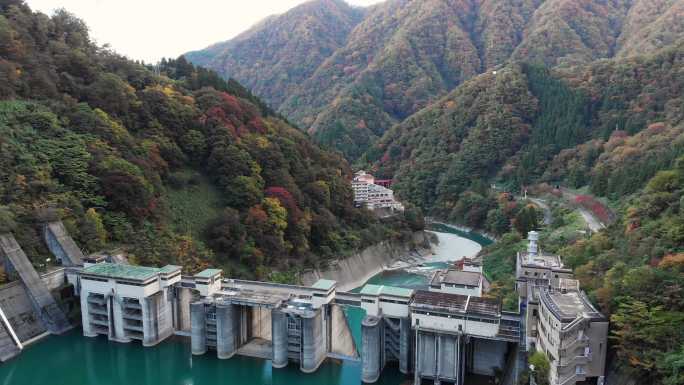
{"type": "Point", "coordinates": [76, 360]}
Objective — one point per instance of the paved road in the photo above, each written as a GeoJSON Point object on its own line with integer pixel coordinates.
{"type": "Point", "coordinates": [590, 219]}
{"type": "Point", "coordinates": [548, 218]}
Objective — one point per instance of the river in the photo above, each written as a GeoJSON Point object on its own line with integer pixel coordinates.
{"type": "Point", "coordinates": [72, 359]}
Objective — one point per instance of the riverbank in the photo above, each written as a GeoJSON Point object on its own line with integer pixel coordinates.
{"type": "Point", "coordinates": [354, 271]}
{"type": "Point", "coordinates": [414, 263]}
{"type": "Point", "coordinates": [481, 237]}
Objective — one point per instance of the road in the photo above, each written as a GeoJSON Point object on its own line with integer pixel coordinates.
{"type": "Point", "coordinates": [594, 224]}
{"type": "Point", "coordinates": [548, 218]}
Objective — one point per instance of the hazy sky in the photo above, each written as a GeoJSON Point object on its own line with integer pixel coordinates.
{"type": "Point", "coordinates": [151, 29]}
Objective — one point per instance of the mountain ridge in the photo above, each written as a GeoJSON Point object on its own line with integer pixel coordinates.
{"type": "Point", "coordinates": [404, 55]}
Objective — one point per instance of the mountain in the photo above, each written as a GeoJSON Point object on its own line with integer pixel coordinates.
{"type": "Point", "coordinates": [508, 127]}
{"type": "Point", "coordinates": [275, 56]}
{"type": "Point", "coordinates": [170, 162]}
{"type": "Point", "coordinates": [403, 55]}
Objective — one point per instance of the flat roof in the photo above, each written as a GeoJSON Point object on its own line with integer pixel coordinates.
{"type": "Point", "coordinates": [208, 273]}
{"type": "Point", "coordinates": [376, 290]}
{"type": "Point", "coordinates": [324, 284]}
{"type": "Point", "coordinates": [459, 277]}
{"type": "Point", "coordinates": [455, 303]}
{"type": "Point", "coordinates": [168, 269]}
{"type": "Point", "coordinates": [567, 306]}
{"type": "Point", "coordinates": [549, 261]}
{"type": "Point", "coordinates": [115, 270]}
{"type": "Point", "coordinates": [251, 297]}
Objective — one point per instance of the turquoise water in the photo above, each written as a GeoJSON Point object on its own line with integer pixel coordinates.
{"type": "Point", "coordinates": [473, 236]}
{"type": "Point", "coordinates": [72, 359]}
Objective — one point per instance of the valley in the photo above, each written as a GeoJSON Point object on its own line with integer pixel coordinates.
{"type": "Point", "coordinates": [489, 124]}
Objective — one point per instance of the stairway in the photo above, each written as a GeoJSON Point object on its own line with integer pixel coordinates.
{"type": "Point", "coordinates": [44, 305]}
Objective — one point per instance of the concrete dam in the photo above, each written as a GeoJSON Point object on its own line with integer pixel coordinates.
{"type": "Point", "coordinates": [437, 336]}
{"type": "Point", "coordinates": [446, 334]}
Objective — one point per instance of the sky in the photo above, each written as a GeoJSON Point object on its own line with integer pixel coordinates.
{"type": "Point", "coordinates": [151, 29]}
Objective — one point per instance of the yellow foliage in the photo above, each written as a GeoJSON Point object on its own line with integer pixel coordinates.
{"type": "Point", "coordinates": [672, 260]}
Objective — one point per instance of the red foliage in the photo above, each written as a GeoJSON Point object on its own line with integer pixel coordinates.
{"type": "Point", "coordinates": [256, 216]}
{"type": "Point", "coordinates": [593, 205]}
{"type": "Point", "coordinates": [286, 199]}
{"type": "Point", "coordinates": [257, 125]}
{"type": "Point", "coordinates": [231, 104]}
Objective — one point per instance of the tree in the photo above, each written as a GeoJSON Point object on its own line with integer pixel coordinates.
{"type": "Point", "coordinates": [526, 220]}
{"type": "Point", "coordinates": [243, 192]}
{"type": "Point", "coordinates": [672, 367]}
{"type": "Point", "coordinates": [541, 367]}
{"type": "Point", "coordinates": [93, 231]}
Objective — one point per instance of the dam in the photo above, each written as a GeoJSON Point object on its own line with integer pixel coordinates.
{"type": "Point", "coordinates": [438, 336]}
{"type": "Point", "coordinates": [446, 334]}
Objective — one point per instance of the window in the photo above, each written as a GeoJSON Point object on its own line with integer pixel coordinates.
{"type": "Point", "coordinates": [367, 300]}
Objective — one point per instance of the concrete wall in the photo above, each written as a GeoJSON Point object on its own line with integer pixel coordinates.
{"type": "Point", "coordinates": [355, 270]}
{"type": "Point", "coordinates": [261, 322]}
{"type": "Point", "coordinates": [342, 340]}
{"type": "Point", "coordinates": [488, 355]}
{"type": "Point", "coordinates": [16, 304]}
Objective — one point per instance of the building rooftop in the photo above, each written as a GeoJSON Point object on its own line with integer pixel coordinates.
{"type": "Point", "coordinates": [324, 284]}
{"type": "Point", "coordinates": [567, 306]}
{"type": "Point", "coordinates": [549, 261]}
{"type": "Point", "coordinates": [252, 297]}
{"type": "Point", "coordinates": [458, 277]}
{"type": "Point", "coordinates": [168, 269]}
{"type": "Point", "coordinates": [115, 270]}
{"type": "Point", "coordinates": [208, 273]}
{"type": "Point", "coordinates": [376, 290]}
{"type": "Point", "coordinates": [455, 303]}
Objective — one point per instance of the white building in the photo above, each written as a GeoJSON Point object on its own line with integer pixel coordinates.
{"type": "Point", "coordinates": [573, 334]}
{"type": "Point", "coordinates": [457, 282]}
{"type": "Point", "coordinates": [389, 301]}
{"type": "Point", "coordinates": [371, 195]}
{"type": "Point", "coordinates": [127, 302]}
{"type": "Point", "coordinates": [560, 320]}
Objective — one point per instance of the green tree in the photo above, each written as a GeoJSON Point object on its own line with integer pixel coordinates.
{"type": "Point", "coordinates": [541, 367]}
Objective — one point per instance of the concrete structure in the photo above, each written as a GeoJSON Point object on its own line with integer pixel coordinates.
{"type": "Point", "coordinates": [458, 282]}
{"type": "Point", "coordinates": [386, 329]}
{"type": "Point", "coordinates": [44, 305]}
{"type": "Point", "coordinates": [18, 320]}
{"type": "Point", "coordinates": [128, 302]}
{"type": "Point", "coordinates": [283, 323]}
{"type": "Point", "coordinates": [572, 333]}
{"type": "Point", "coordinates": [559, 319]}
{"type": "Point", "coordinates": [371, 195]}
{"type": "Point", "coordinates": [457, 334]}
{"type": "Point", "coordinates": [61, 245]}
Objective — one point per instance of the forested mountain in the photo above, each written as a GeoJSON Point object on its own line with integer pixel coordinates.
{"type": "Point", "coordinates": [508, 127]}
{"type": "Point", "coordinates": [170, 162]}
{"type": "Point", "coordinates": [275, 56]}
{"type": "Point", "coordinates": [406, 54]}
{"type": "Point", "coordinates": [615, 129]}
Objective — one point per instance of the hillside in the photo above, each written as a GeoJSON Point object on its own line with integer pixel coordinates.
{"type": "Point", "coordinates": [178, 167]}
{"type": "Point", "coordinates": [613, 129]}
{"type": "Point", "coordinates": [275, 56]}
{"type": "Point", "coordinates": [403, 55]}
{"type": "Point", "coordinates": [507, 127]}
